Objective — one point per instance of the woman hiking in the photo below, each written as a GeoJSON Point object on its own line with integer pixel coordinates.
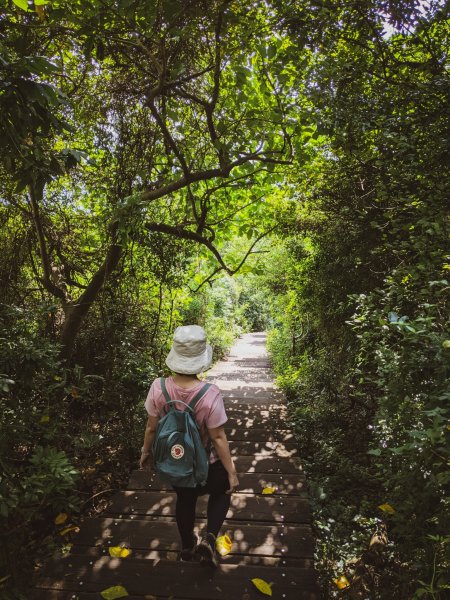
{"type": "Point", "coordinates": [189, 356]}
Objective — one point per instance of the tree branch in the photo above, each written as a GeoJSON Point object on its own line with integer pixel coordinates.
{"type": "Point", "coordinates": [195, 237]}
{"type": "Point", "coordinates": [249, 251]}
{"type": "Point", "coordinates": [168, 137]}
{"type": "Point", "coordinates": [189, 235]}
{"type": "Point", "coordinates": [36, 194]}
{"type": "Point", "coordinates": [224, 171]}
{"type": "Point", "coordinates": [210, 107]}
{"type": "Point", "coordinates": [207, 280]}
{"type": "Point", "coordinates": [235, 212]}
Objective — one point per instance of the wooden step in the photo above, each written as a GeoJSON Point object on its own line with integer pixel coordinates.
{"type": "Point", "coordinates": [258, 434]}
{"type": "Point", "coordinates": [250, 483]}
{"type": "Point", "coordinates": [270, 403]}
{"type": "Point", "coordinates": [92, 553]}
{"type": "Point", "coordinates": [271, 540]}
{"type": "Point", "coordinates": [249, 394]}
{"type": "Point", "coordinates": [281, 449]}
{"type": "Point", "coordinates": [143, 577]}
{"type": "Point", "coordinates": [244, 376]}
{"type": "Point", "coordinates": [244, 507]}
{"type": "Point", "coordinates": [49, 594]}
{"type": "Point", "coordinates": [262, 463]}
{"type": "Point", "coordinates": [246, 419]}
{"type": "Point", "coordinates": [252, 363]}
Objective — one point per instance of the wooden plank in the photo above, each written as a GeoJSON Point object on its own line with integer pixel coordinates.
{"type": "Point", "coordinates": [275, 539]}
{"type": "Point", "coordinates": [250, 394]}
{"type": "Point", "coordinates": [93, 552]}
{"type": "Point", "coordinates": [230, 368]}
{"type": "Point", "coordinates": [258, 421]}
{"type": "Point", "coordinates": [263, 363]}
{"type": "Point", "coordinates": [275, 416]}
{"type": "Point", "coordinates": [141, 577]}
{"type": "Point", "coordinates": [261, 463]}
{"type": "Point", "coordinates": [255, 388]}
{"type": "Point", "coordinates": [243, 405]}
{"type": "Point", "coordinates": [48, 594]}
{"type": "Point", "coordinates": [258, 434]}
{"type": "Point", "coordinates": [238, 448]}
{"type": "Point", "coordinates": [242, 372]}
{"type": "Point", "coordinates": [250, 483]}
{"type": "Point", "coordinates": [244, 376]}
{"type": "Point", "coordinates": [237, 408]}
{"type": "Point", "coordinates": [244, 507]}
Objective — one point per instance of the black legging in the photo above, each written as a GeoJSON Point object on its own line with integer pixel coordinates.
{"type": "Point", "coordinates": [218, 504]}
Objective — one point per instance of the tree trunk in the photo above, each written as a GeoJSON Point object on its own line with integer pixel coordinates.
{"type": "Point", "coordinates": [75, 312]}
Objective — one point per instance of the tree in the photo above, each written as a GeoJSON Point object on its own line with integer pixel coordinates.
{"type": "Point", "coordinates": [184, 101]}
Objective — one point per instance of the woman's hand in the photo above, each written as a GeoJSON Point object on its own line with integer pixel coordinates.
{"type": "Point", "coordinates": [219, 439]}
{"type": "Point", "coordinates": [234, 482]}
{"type": "Point", "coordinates": [145, 462]}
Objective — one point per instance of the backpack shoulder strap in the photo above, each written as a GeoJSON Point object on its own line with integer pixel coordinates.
{"type": "Point", "coordinates": [199, 395]}
{"type": "Point", "coordinates": [165, 392]}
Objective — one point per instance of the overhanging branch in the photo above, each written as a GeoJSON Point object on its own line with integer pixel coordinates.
{"type": "Point", "coordinates": [195, 237]}
{"type": "Point", "coordinates": [186, 234]}
{"type": "Point", "coordinates": [220, 172]}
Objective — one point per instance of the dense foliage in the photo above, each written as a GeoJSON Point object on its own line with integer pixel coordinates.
{"type": "Point", "coordinates": [242, 166]}
{"type": "Point", "coordinates": [364, 352]}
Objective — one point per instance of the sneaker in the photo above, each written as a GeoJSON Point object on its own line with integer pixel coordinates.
{"type": "Point", "coordinates": [206, 550]}
{"type": "Point", "coordinates": [188, 554]}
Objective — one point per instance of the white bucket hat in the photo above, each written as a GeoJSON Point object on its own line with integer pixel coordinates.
{"type": "Point", "coordinates": [190, 354]}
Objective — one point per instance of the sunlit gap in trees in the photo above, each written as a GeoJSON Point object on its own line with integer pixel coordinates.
{"type": "Point", "coordinates": [424, 8]}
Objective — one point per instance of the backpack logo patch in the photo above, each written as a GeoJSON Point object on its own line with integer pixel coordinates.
{"type": "Point", "coordinates": [177, 451]}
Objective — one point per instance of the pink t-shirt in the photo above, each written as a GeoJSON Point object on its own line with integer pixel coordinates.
{"type": "Point", "coordinates": [209, 410]}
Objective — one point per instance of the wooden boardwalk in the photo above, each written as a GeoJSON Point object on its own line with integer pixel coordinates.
{"type": "Point", "coordinates": [272, 537]}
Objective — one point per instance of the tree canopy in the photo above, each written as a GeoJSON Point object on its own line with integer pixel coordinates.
{"type": "Point", "coordinates": [276, 165]}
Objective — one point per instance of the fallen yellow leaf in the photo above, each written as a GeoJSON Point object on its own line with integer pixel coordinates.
{"type": "Point", "coordinates": [116, 591]}
{"type": "Point", "coordinates": [262, 586]}
{"type": "Point", "coordinates": [119, 552]}
{"type": "Point", "coordinates": [70, 528]}
{"type": "Point", "coordinates": [61, 518]}
{"type": "Point", "coordinates": [342, 582]}
{"type": "Point", "coordinates": [387, 508]}
{"type": "Point", "coordinates": [98, 461]}
{"type": "Point", "coordinates": [223, 545]}
{"type": "Point", "coordinates": [45, 419]}
{"type": "Point", "coordinates": [269, 490]}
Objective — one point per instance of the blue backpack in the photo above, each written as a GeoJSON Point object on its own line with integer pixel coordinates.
{"type": "Point", "coordinates": [179, 455]}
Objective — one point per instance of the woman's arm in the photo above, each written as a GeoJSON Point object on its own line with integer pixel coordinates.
{"type": "Point", "coordinates": [146, 455]}
{"type": "Point", "coordinates": [219, 439]}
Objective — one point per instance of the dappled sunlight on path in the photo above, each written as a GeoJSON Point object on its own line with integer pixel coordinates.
{"type": "Point", "coordinates": [271, 533]}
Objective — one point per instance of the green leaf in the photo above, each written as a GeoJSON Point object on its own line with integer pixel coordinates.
{"type": "Point", "coordinates": [271, 52]}
{"type": "Point", "coordinates": [39, 65]}
{"type": "Point", "coordinates": [23, 4]}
